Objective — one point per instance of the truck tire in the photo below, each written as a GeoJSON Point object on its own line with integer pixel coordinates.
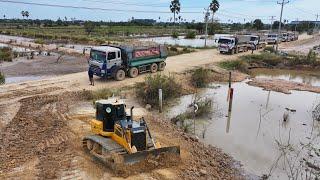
{"type": "Point", "coordinates": [153, 68]}
{"type": "Point", "coordinates": [120, 75]}
{"type": "Point", "coordinates": [162, 65]}
{"type": "Point", "coordinates": [133, 72]}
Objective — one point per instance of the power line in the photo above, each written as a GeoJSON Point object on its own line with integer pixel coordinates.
{"type": "Point", "coordinates": [92, 8]}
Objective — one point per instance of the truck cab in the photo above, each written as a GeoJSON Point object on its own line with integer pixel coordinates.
{"type": "Point", "coordinates": [272, 38]}
{"type": "Point", "coordinates": [226, 44]}
{"type": "Point", "coordinates": [103, 59]}
{"type": "Point", "coordinates": [255, 40]}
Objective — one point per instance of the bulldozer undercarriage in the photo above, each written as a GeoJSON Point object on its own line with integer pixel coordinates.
{"type": "Point", "coordinates": [114, 156]}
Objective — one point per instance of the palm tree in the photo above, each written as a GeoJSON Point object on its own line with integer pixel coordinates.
{"type": "Point", "coordinates": [23, 13]}
{"type": "Point", "coordinates": [27, 14]}
{"type": "Point", "coordinates": [175, 8]}
{"type": "Point", "coordinates": [214, 6]}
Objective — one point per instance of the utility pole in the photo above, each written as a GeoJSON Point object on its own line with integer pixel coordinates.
{"type": "Point", "coordinates": [316, 23]}
{"type": "Point", "coordinates": [297, 22]}
{"type": "Point", "coordinates": [206, 19]}
{"type": "Point", "coordinates": [272, 19]}
{"type": "Point", "coordinates": [279, 31]}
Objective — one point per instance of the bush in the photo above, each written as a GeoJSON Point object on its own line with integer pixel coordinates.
{"type": "Point", "coordinates": [2, 78]}
{"type": "Point", "coordinates": [200, 77]}
{"type": "Point", "coordinates": [99, 94]}
{"type": "Point", "coordinates": [175, 35]}
{"type": "Point", "coordinates": [235, 65]}
{"type": "Point", "coordinates": [148, 90]}
{"type": "Point", "coordinates": [264, 58]}
{"type": "Point", "coordinates": [269, 49]}
{"type": "Point", "coordinates": [191, 35]}
{"type": "Point", "coordinates": [173, 48]}
{"type": "Point", "coordinates": [311, 57]}
{"type": "Point", "coordinates": [6, 54]}
{"type": "Point", "coordinates": [39, 41]}
{"type": "Point", "coordinates": [99, 41]}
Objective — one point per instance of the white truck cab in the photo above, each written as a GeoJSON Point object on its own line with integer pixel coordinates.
{"type": "Point", "coordinates": [103, 58]}
{"type": "Point", "coordinates": [272, 38]}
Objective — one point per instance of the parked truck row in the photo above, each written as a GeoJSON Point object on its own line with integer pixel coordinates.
{"type": "Point", "coordinates": [240, 43]}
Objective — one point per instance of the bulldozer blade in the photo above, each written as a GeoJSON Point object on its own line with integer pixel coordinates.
{"type": "Point", "coordinates": [140, 156]}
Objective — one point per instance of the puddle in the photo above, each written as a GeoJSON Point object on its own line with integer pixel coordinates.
{"type": "Point", "coordinates": [307, 77]}
{"type": "Point", "coordinates": [18, 79]}
{"type": "Point", "coordinates": [256, 124]}
{"type": "Point", "coordinates": [180, 41]}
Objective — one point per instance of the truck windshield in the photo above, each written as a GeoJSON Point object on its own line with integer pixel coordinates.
{"type": "Point", "coordinates": [253, 38]}
{"type": "Point", "coordinates": [224, 41]}
{"type": "Point", "coordinates": [272, 36]}
{"type": "Point", "coordinates": [98, 56]}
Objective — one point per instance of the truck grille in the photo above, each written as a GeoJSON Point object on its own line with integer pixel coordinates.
{"type": "Point", "coordinates": [139, 140]}
{"type": "Point", "coordinates": [96, 69]}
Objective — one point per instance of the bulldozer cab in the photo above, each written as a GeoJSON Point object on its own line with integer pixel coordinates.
{"type": "Point", "coordinates": [109, 112]}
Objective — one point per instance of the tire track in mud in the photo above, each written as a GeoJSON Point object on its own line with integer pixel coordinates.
{"type": "Point", "coordinates": [39, 131]}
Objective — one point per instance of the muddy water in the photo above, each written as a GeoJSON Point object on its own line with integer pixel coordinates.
{"type": "Point", "coordinates": [255, 125]}
{"type": "Point", "coordinates": [181, 41]}
{"type": "Point", "coordinates": [307, 77]}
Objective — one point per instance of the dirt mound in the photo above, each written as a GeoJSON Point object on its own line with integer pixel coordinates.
{"type": "Point", "coordinates": [283, 86]}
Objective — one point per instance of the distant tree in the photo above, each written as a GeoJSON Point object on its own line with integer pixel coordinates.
{"type": "Point", "coordinates": [275, 25]}
{"type": "Point", "coordinates": [214, 7]}
{"type": "Point", "coordinates": [27, 14]}
{"type": "Point", "coordinates": [175, 8]}
{"type": "Point", "coordinates": [59, 22]}
{"type": "Point", "coordinates": [89, 26]}
{"type": "Point", "coordinates": [258, 24]}
{"type": "Point", "coordinates": [23, 14]}
{"type": "Point", "coordinates": [247, 25]}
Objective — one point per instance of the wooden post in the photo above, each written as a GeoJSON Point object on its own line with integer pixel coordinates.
{"type": "Point", "coordinates": [228, 96]}
{"type": "Point", "coordinates": [230, 100]}
{"type": "Point", "coordinates": [160, 100]}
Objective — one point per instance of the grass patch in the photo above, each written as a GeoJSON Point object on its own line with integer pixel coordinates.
{"type": "Point", "coordinates": [148, 90]}
{"type": "Point", "coordinates": [184, 120]}
{"type": "Point", "coordinates": [175, 35]}
{"type": "Point", "coordinates": [191, 35]}
{"type": "Point", "coordinates": [235, 65]}
{"type": "Point", "coordinates": [200, 77]}
{"type": "Point", "coordinates": [264, 58]}
{"type": "Point", "coordinates": [6, 54]}
{"type": "Point", "coordinates": [104, 93]}
{"type": "Point", "coordinates": [2, 78]}
{"type": "Point", "coordinates": [39, 41]}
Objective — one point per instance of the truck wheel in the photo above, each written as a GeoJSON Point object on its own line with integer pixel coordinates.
{"type": "Point", "coordinates": [133, 72]}
{"type": "Point", "coordinates": [162, 65]}
{"type": "Point", "coordinates": [154, 68]}
{"type": "Point", "coordinates": [120, 75]}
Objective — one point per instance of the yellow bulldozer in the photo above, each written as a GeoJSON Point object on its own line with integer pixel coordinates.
{"type": "Point", "coordinates": [119, 139]}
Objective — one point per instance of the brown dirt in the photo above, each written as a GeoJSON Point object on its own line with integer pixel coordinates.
{"type": "Point", "coordinates": [283, 86]}
{"type": "Point", "coordinates": [45, 66]}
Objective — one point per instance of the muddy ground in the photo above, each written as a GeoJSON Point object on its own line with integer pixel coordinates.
{"type": "Point", "coordinates": [44, 66]}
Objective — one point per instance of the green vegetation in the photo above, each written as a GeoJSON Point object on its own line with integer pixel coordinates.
{"type": "Point", "coordinates": [269, 49]}
{"type": "Point", "coordinates": [2, 78]}
{"type": "Point", "coordinates": [177, 50]}
{"type": "Point", "coordinates": [200, 77]}
{"type": "Point", "coordinates": [148, 90]}
{"type": "Point", "coordinates": [39, 41]}
{"type": "Point", "coordinates": [6, 54]}
{"type": "Point", "coordinates": [175, 35]}
{"type": "Point", "coordinates": [234, 65]}
{"type": "Point", "coordinates": [204, 109]}
{"type": "Point", "coordinates": [191, 35]}
{"type": "Point", "coordinates": [104, 93]}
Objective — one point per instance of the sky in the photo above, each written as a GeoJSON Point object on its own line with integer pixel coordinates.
{"type": "Point", "coordinates": [122, 10]}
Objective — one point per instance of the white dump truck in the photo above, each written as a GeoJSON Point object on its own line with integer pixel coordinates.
{"type": "Point", "coordinates": [234, 44]}
{"type": "Point", "coordinates": [273, 38]}
{"type": "Point", "coordinates": [258, 41]}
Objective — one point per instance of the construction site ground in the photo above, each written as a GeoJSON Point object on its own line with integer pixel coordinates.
{"type": "Point", "coordinates": [42, 123]}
